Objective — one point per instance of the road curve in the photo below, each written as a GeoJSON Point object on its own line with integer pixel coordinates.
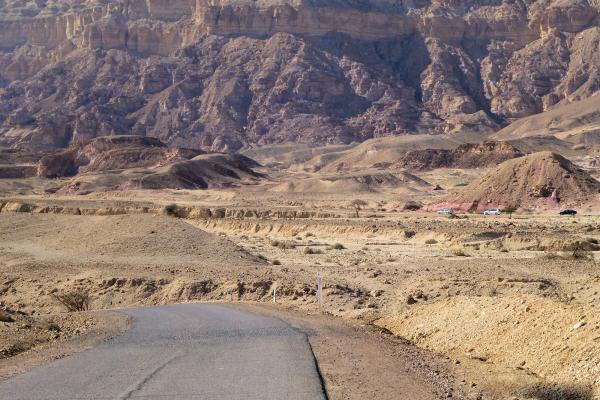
{"type": "Point", "coordinates": [187, 351]}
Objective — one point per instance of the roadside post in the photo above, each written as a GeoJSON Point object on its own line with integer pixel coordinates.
{"type": "Point", "coordinates": [320, 291]}
{"type": "Point", "coordinates": [274, 294]}
{"type": "Point", "coordinates": [231, 294]}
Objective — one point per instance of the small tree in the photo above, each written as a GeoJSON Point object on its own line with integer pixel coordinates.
{"type": "Point", "coordinates": [510, 210]}
{"type": "Point", "coordinates": [358, 205]}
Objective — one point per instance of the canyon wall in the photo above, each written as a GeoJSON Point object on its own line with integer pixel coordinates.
{"type": "Point", "coordinates": [224, 75]}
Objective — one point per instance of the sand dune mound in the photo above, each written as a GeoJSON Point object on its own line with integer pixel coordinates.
{"type": "Point", "coordinates": [368, 182]}
{"type": "Point", "coordinates": [543, 179]}
{"type": "Point", "coordinates": [468, 155]}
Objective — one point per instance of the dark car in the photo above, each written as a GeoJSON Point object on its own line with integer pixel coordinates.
{"type": "Point", "coordinates": [568, 212]}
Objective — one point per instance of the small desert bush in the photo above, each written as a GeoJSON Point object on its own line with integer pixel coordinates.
{"type": "Point", "coordinates": [409, 234]}
{"type": "Point", "coordinates": [276, 262]}
{"type": "Point", "coordinates": [310, 250]}
{"type": "Point", "coordinates": [576, 255]}
{"type": "Point", "coordinates": [75, 300]}
{"type": "Point", "coordinates": [337, 246]}
{"type": "Point", "coordinates": [261, 257]}
{"type": "Point", "coordinates": [172, 210]}
{"type": "Point", "coordinates": [592, 240]}
{"type": "Point", "coordinates": [460, 253]}
{"type": "Point", "coordinates": [283, 245]}
{"type": "Point", "coordinates": [5, 317]}
{"type": "Point", "coordinates": [430, 241]}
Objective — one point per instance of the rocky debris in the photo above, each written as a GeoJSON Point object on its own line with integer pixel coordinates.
{"type": "Point", "coordinates": [224, 75]}
{"type": "Point", "coordinates": [468, 155]}
{"type": "Point", "coordinates": [541, 179]}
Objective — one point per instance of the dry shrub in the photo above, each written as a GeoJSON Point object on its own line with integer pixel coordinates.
{"type": "Point", "coordinates": [5, 317]}
{"type": "Point", "coordinates": [276, 262]}
{"type": "Point", "coordinates": [460, 253]}
{"type": "Point", "coordinates": [337, 246]}
{"type": "Point", "coordinates": [75, 300]}
{"type": "Point", "coordinates": [172, 210]}
{"type": "Point", "coordinates": [310, 250]}
{"type": "Point", "coordinates": [409, 234]}
{"type": "Point", "coordinates": [575, 255]}
{"type": "Point", "coordinates": [430, 241]}
{"type": "Point", "coordinates": [283, 245]}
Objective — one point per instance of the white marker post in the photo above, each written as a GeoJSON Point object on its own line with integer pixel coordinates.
{"type": "Point", "coordinates": [320, 291]}
{"type": "Point", "coordinates": [231, 294]}
{"type": "Point", "coordinates": [274, 294]}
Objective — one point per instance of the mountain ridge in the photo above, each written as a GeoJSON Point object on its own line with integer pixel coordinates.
{"type": "Point", "coordinates": [227, 75]}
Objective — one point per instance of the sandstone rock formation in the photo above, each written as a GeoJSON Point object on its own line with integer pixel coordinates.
{"type": "Point", "coordinates": [225, 74]}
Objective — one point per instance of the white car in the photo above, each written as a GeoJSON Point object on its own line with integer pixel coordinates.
{"type": "Point", "coordinates": [445, 211]}
{"type": "Point", "coordinates": [492, 211]}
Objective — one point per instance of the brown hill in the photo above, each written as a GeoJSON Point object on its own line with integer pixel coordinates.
{"type": "Point", "coordinates": [577, 122]}
{"type": "Point", "coordinates": [202, 172]}
{"type": "Point", "coordinates": [468, 155]}
{"type": "Point", "coordinates": [355, 183]}
{"type": "Point", "coordinates": [111, 153]}
{"type": "Point", "coordinates": [539, 180]}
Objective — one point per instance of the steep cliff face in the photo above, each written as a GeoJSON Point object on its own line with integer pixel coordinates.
{"type": "Point", "coordinates": [229, 74]}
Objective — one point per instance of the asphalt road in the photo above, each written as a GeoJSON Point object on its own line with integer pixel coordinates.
{"type": "Point", "coordinates": [188, 351]}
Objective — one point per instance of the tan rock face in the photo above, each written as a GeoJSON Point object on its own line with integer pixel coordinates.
{"type": "Point", "coordinates": [221, 74]}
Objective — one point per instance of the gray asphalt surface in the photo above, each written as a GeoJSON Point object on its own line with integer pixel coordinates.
{"type": "Point", "coordinates": [188, 351]}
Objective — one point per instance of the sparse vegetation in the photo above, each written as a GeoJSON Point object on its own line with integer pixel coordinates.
{"type": "Point", "coordinates": [310, 250]}
{"type": "Point", "coordinates": [412, 205]}
{"type": "Point", "coordinates": [431, 241]}
{"type": "Point", "coordinates": [337, 246]}
{"type": "Point", "coordinates": [172, 210]}
{"type": "Point", "coordinates": [283, 245]}
{"type": "Point", "coordinates": [275, 262]}
{"type": "Point", "coordinates": [409, 234]}
{"type": "Point", "coordinates": [5, 317]}
{"type": "Point", "coordinates": [509, 210]}
{"type": "Point", "coordinates": [459, 253]}
{"type": "Point", "coordinates": [75, 300]}
{"type": "Point", "coordinates": [358, 205]}
{"type": "Point", "coordinates": [575, 255]}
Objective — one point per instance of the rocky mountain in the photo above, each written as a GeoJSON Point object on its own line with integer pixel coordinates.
{"type": "Point", "coordinates": [539, 180]}
{"type": "Point", "coordinates": [230, 74]}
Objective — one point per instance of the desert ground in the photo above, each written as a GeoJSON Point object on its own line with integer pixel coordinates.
{"type": "Point", "coordinates": [502, 306]}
